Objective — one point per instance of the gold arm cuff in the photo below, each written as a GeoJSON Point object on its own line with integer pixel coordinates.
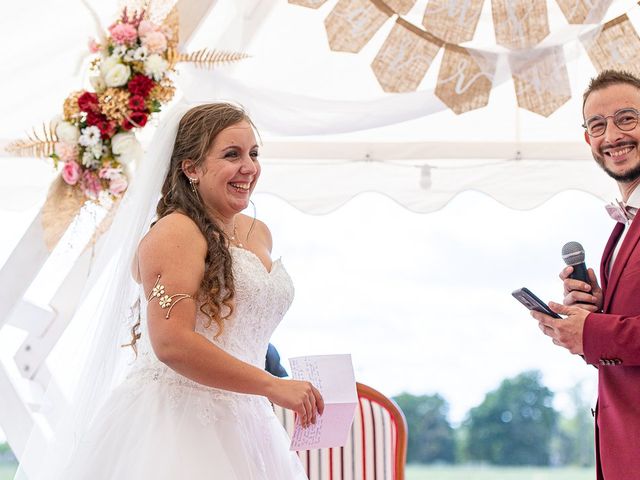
{"type": "Point", "coordinates": [166, 302]}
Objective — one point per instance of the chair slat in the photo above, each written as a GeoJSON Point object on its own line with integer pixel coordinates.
{"type": "Point", "coordinates": [375, 448]}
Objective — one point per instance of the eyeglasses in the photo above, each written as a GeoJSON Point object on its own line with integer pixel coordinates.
{"type": "Point", "coordinates": [625, 119]}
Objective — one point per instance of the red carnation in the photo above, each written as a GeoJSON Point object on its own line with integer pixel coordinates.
{"type": "Point", "coordinates": [94, 118]}
{"type": "Point", "coordinates": [107, 129]}
{"type": "Point", "coordinates": [88, 102]}
{"type": "Point", "coordinates": [137, 103]}
{"type": "Point", "coordinates": [136, 119]}
{"type": "Point", "coordinates": [140, 85]}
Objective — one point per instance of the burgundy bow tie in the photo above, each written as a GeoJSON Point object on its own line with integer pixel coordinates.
{"type": "Point", "coordinates": [620, 212]}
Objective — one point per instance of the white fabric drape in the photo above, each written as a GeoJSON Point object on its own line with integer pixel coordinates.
{"type": "Point", "coordinates": [271, 85]}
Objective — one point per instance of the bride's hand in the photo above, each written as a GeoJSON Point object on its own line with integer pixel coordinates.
{"type": "Point", "coordinates": [299, 396]}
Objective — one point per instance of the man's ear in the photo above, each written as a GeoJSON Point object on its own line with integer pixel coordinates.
{"type": "Point", "coordinates": [587, 138]}
{"type": "Point", "coordinates": [189, 168]}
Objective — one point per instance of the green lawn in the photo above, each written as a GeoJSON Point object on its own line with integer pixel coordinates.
{"type": "Point", "coordinates": [457, 473]}
{"type": "Point", "coordinates": [415, 472]}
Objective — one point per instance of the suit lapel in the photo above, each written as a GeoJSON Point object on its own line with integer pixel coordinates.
{"type": "Point", "coordinates": [628, 244]}
{"type": "Point", "coordinates": [608, 253]}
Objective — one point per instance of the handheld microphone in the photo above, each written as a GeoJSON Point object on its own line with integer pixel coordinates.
{"type": "Point", "coordinates": [573, 254]}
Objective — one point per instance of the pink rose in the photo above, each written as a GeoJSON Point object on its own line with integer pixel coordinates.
{"type": "Point", "coordinates": [90, 184]}
{"type": "Point", "coordinates": [68, 152]}
{"type": "Point", "coordinates": [71, 172]}
{"type": "Point", "coordinates": [146, 27]}
{"type": "Point", "coordinates": [123, 33]}
{"type": "Point", "coordinates": [118, 185]}
{"type": "Point", "coordinates": [155, 42]}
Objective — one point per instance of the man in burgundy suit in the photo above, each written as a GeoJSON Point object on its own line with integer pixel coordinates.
{"type": "Point", "coordinates": [603, 324]}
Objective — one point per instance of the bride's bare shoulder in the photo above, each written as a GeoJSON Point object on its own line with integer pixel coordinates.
{"type": "Point", "coordinates": [172, 229]}
{"type": "Point", "coordinates": [175, 239]}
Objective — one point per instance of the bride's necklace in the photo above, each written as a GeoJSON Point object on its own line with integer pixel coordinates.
{"type": "Point", "coordinates": [233, 239]}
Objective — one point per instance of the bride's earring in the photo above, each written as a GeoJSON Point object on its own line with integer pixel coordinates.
{"type": "Point", "coordinates": [193, 182]}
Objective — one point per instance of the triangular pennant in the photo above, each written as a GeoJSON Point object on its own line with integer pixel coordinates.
{"type": "Point", "coordinates": [465, 78]}
{"type": "Point", "coordinates": [405, 57]}
{"type": "Point", "coordinates": [352, 23]}
{"type": "Point", "coordinates": [520, 23]}
{"type": "Point", "coordinates": [453, 21]}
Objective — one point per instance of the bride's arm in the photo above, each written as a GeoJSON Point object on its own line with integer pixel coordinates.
{"type": "Point", "coordinates": [175, 249]}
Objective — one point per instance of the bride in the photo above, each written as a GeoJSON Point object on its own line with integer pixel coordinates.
{"type": "Point", "coordinates": [196, 401]}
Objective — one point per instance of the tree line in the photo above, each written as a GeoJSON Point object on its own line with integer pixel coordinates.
{"type": "Point", "coordinates": [516, 424]}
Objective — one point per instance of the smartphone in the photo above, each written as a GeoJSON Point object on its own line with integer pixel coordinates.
{"type": "Point", "coordinates": [529, 300]}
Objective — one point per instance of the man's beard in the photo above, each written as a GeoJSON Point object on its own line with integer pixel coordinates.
{"type": "Point", "coordinates": [626, 177]}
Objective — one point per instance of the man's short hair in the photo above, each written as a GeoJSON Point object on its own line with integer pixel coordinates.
{"type": "Point", "coordinates": [607, 78]}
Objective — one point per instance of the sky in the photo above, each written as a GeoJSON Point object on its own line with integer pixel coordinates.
{"type": "Point", "coordinates": [423, 301]}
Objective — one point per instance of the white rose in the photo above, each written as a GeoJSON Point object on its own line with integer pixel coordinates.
{"type": "Point", "coordinates": [125, 146]}
{"type": "Point", "coordinates": [117, 76]}
{"type": "Point", "coordinates": [155, 66]}
{"type": "Point", "coordinates": [67, 132]}
{"type": "Point", "coordinates": [108, 63]}
{"type": "Point", "coordinates": [98, 84]}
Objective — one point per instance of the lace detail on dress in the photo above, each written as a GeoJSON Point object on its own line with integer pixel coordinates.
{"type": "Point", "coordinates": [262, 298]}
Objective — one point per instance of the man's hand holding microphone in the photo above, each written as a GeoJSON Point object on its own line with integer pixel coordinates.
{"type": "Point", "coordinates": [582, 295]}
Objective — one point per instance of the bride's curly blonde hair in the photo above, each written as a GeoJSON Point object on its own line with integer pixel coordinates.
{"type": "Point", "coordinates": [197, 131]}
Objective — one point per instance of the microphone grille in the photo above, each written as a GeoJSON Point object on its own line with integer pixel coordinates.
{"type": "Point", "coordinates": [573, 253]}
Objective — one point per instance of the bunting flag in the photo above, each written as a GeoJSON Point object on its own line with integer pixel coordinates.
{"type": "Point", "coordinates": [519, 23]}
{"type": "Point", "coordinates": [454, 21]}
{"type": "Point", "coordinates": [584, 11]}
{"type": "Point", "coordinates": [466, 75]}
{"type": "Point", "coordinates": [400, 6]}
{"type": "Point", "coordinates": [465, 78]}
{"type": "Point", "coordinates": [542, 82]}
{"type": "Point", "coordinates": [308, 3]}
{"type": "Point", "coordinates": [352, 23]}
{"type": "Point", "coordinates": [616, 47]}
{"type": "Point", "coordinates": [405, 57]}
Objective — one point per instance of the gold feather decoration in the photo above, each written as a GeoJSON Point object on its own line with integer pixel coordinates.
{"type": "Point", "coordinates": [37, 144]}
{"type": "Point", "coordinates": [206, 58]}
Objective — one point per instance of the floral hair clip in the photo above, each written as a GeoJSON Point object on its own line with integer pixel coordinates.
{"type": "Point", "coordinates": [166, 301]}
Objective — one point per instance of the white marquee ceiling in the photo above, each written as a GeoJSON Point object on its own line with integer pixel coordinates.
{"type": "Point", "coordinates": [329, 130]}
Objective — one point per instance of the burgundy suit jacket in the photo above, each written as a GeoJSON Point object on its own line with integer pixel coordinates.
{"type": "Point", "coordinates": [611, 341]}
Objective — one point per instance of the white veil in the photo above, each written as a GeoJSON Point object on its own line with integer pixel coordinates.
{"type": "Point", "coordinates": [100, 359]}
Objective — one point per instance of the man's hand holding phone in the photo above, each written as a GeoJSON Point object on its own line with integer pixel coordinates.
{"type": "Point", "coordinates": [564, 332]}
{"type": "Point", "coordinates": [532, 302]}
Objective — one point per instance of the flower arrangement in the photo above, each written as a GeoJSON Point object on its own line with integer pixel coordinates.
{"type": "Point", "coordinates": [95, 139]}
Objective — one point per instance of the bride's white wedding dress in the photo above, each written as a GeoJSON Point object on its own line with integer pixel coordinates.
{"type": "Point", "coordinates": [160, 425]}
